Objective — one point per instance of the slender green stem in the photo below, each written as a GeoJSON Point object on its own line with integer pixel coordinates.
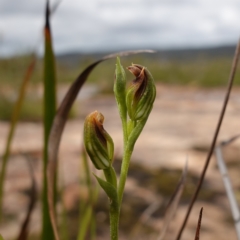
{"type": "Point", "coordinates": [124, 171]}
{"type": "Point", "coordinates": [110, 176]}
{"type": "Point", "coordinates": [114, 219]}
{"type": "Point", "coordinates": [125, 131]}
{"type": "Point", "coordinates": [129, 143]}
{"type": "Point", "coordinates": [123, 116]}
{"type": "Point", "coordinates": [128, 149]}
{"type": "Point", "coordinates": [93, 228]}
{"type": "Point", "coordinates": [86, 215]}
{"type": "Point", "coordinates": [86, 221]}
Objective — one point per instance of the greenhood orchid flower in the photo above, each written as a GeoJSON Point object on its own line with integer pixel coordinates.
{"type": "Point", "coordinates": [141, 93]}
{"type": "Point", "coordinates": [98, 143]}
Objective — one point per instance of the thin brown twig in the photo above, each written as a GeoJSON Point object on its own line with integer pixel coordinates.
{"type": "Point", "coordinates": [197, 235]}
{"type": "Point", "coordinates": [228, 91]}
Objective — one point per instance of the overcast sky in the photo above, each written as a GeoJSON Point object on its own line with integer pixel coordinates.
{"type": "Point", "coordinates": [99, 25]}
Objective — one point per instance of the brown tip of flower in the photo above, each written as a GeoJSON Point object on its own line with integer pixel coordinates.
{"type": "Point", "coordinates": [140, 81]}
{"type": "Point", "coordinates": [98, 119]}
{"type": "Point", "coordinates": [135, 70]}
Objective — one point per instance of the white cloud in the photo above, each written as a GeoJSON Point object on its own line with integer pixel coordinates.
{"type": "Point", "coordinates": [105, 24]}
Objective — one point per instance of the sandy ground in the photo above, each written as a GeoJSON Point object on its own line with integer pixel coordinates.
{"type": "Point", "coordinates": [181, 126]}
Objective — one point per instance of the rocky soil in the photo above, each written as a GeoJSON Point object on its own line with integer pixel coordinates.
{"type": "Point", "coordinates": [180, 127]}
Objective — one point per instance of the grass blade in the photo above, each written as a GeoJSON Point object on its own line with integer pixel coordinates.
{"type": "Point", "coordinates": [173, 203]}
{"type": "Point", "coordinates": [229, 189]}
{"type": "Point", "coordinates": [93, 195]}
{"type": "Point", "coordinates": [86, 209]}
{"type": "Point", "coordinates": [197, 235]}
{"type": "Point", "coordinates": [49, 113]}
{"type": "Point", "coordinates": [23, 234]}
{"type": "Point", "coordinates": [14, 120]}
{"type": "Point", "coordinates": [59, 123]}
{"type": "Point", "coordinates": [64, 231]}
{"type": "Point", "coordinates": [85, 222]}
{"type": "Point", "coordinates": [207, 161]}
{"type": "Point", "coordinates": [15, 117]}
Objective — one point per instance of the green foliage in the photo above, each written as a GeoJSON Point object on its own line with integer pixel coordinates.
{"type": "Point", "coordinates": [12, 70]}
{"type": "Point", "coordinates": [201, 71]}
{"type": "Point", "coordinates": [31, 110]}
{"type": "Point", "coordinates": [16, 109]}
{"type": "Point", "coordinates": [49, 108]}
{"type": "Point", "coordinates": [86, 222]}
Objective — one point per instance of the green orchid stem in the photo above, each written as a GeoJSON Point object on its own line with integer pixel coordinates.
{"type": "Point", "coordinates": [123, 115]}
{"type": "Point", "coordinates": [128, 149]}
{"type": "Point", "coordinates": [114, 219]}
{"type": "Point", "coordinates": [124, 171]}
{"type": "Point", "coordinates": [125, 130]}
{"type": "Point", "coordinates": [110, 176]}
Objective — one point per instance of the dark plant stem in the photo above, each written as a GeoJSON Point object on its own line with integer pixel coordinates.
{"type": "Point", "coordinates": [230, 83]}
{"type": "Point", "coordinates": [197, 235]}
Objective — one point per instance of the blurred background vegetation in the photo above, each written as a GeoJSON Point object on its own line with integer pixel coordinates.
{"type": "Point", "coordinates": [205, 68]}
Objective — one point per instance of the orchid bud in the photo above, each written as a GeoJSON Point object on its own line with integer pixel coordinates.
{"type": "Point", "coordinates": [141, 93]}
{"type": "Point", "coordinates": [120, 89]}
{"type": "Point", "coordinates": [120, 82]}
{"type": "Point", "coordinates": [98, 143]}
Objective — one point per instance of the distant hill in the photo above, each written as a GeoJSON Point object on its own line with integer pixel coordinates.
{"type": "Point", "coordinates": [169, 54]}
